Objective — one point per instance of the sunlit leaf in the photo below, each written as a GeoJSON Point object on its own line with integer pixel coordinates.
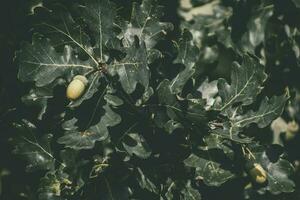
{"type": "Point", "coordinates": [145, 24]}
{"type": "Point", "coordinates": [39, 62]}
{"type": "Point", "coordinates": [208, 170]}
{"type": "Point", "coordinates": [246, 83]}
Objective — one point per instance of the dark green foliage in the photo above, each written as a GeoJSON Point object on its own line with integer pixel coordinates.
{"type": "Point", "coordinates": [170, 111]}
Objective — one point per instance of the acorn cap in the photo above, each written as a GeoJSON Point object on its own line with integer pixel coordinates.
{"type": "Point", "coordinates": [83, 79]}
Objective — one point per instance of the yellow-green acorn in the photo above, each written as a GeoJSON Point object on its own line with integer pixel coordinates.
{"type": "Point", "coordinates": [292, 129]}
{"type": "Point", "coordinates": [76, 87]}
{"type": "Point", "coordinates": [258, 174]}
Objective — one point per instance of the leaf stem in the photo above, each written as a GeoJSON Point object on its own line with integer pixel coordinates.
{"type": "Point", "coordinates": [96, 107]}
{"type": "Point", "coordinates": [127, 131]}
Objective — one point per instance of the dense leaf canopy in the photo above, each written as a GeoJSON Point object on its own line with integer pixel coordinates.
{"type": "Point", "coordinates": [169, 110]}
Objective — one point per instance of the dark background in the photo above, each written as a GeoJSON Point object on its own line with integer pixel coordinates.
{"type": "Point", "coordinates": [14, 28]}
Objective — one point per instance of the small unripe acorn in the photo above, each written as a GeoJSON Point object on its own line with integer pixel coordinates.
{"type": "Point", "coordinates": [292, 129]}
{"type": "Point", "coordinates": [76, 87]}
{"type": "Point", "coordinates": [258, 174]}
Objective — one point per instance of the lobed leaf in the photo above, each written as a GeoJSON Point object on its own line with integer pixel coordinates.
{"type": "Point", "coordinates": [135, 144]}
{"type": "Point", "coordinates": [188, 55]}
{"type": "Point", "coordinates": [246, 83]}
{"type": "Point", "coordinates": [268, 110]}
{"type": "Point", "coordinates": [60, 27]}
{"type": "Point", "coordinates": [145, 24]}
{"type": "Point", "coordinates": [277, 167]}
{"type": "Point", "coordinates": [36, 149]}
{"type": "Point", "coordinates": [133, 68]}
{"type": "Point", "coordinates": [86, 139]}
{"type": "Point", "coordinates": [39, 62]}
{"type": "Point", "coordinates": [100, 15]}
{"type": "Point", "coordinates": [212, 172]}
